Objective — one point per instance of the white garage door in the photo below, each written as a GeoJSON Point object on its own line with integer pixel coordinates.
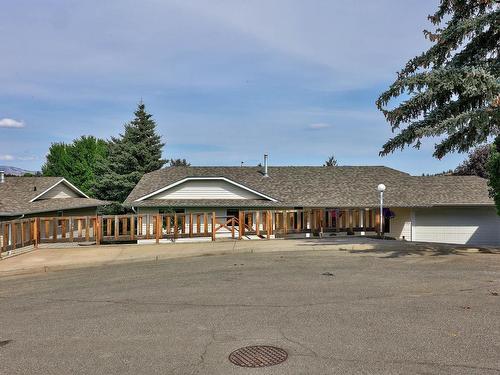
{"type": "Point", "coordinates": [470, 225]}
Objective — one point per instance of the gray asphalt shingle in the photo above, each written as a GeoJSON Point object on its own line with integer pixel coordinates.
{"type": "Point", "coordinates": [344, 186]}
{"type": "Point", "coordinates": [17, 192]}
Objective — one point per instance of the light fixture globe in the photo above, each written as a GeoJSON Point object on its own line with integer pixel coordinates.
{"type": "Point", "coordinates": [381, 188]}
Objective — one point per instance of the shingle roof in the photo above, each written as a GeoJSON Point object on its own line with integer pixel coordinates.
{"type": "Point", "coordinates": [17, 192]}
{"type": "Point", "coordinates": [343, 186]}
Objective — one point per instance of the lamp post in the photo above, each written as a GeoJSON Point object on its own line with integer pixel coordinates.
{"type": "Point", "coordinates": [381, 189]}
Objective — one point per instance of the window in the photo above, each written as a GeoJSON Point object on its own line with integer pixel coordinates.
{"type": "Point", "coordinates": [166, 211]}
{"type": "Point", "coordinates": [232, 212]}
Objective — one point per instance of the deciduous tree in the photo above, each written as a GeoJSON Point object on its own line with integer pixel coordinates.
{"type": "Point", "coordinates": [76, 161]}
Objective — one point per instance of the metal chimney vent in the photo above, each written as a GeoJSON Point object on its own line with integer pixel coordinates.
{"type": "Point", "coordinates": [266, 157]}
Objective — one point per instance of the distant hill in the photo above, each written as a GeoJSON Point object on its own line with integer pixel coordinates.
{"type": "Point", "coordinates": [14, 171]}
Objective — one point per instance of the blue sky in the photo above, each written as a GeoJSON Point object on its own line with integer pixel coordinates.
{"type": "Point", "coordinates": [226, 81]}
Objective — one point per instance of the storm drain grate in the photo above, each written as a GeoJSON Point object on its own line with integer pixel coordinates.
{"type": "Point", "coordinates": [258, 356]}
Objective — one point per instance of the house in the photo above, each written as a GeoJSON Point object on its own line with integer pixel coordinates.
{"type": "Point", "coordinates": [43, 197]}
{"type": "Point", "coordinates": [344, 199]}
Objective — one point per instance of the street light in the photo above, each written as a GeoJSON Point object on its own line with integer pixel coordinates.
{"type": "Point", "coordinates": [381, 189]}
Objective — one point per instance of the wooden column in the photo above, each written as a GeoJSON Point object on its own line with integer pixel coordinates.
{"type": "Point", "coordinates": [176, 226]}
{"type": "Point", "coordinates": [213, 226]}
{"type": "Point", "coordinates": [351, 220]}
{"type": "Point", "coordinates": [232, 227]}
{"type": "Point", "coordinates": [168, 220]}
{"type": "Point", "coordinates": [22, 233]}
{"type": "Point", "coordinates": [158, 228]}
{"type": "Point", "coordinates": [97, 229]}
{"type": "Point", "coordinates": [191, 225]}
{"type": "Point", "coordinates": [54, 230]}
{"type": "Point", "coordinates": [117, 227]}
{"type": "Point", "coordinates": [205, 224]}
{"type": "Point", "coordinates": [285, 222]}
{"type": "Point", "coordinates": [36, 232]}
{"type": "Point", "coordinates": [70, 225]}
{"type": "Point", "coordinates": [269, 218]}
{"type": "Point", "coordinates": [132, 227]}
{"type": "Point", "coordinates": [241, 224]}
{"type": "Point", "coordinates": [87, 229]}
{"type": "Point", "coordinates": [257, 223]}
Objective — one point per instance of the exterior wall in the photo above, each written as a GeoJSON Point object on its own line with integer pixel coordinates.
{"type": "Point", "coordinates": [401, 224]}
{"type": "Point", "coordinates": [206, 189]}
{"type": "Point", "coordinates": [60, 191]}
{"type": "Point", "coordinates": [457, 225]}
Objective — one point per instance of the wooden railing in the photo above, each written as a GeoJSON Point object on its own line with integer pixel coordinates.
{"type": "Point", "coordinates": [127, 228]}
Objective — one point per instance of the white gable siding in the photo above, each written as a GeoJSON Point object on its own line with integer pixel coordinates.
{"type": "Point", "coordinates": [60, 191]}
{"type": "Point", "coordinates": [468, 225]}
{"type": "Point", "coordinates": [401, 224]}
{"type": "Point", "coordinates": [206, 189]}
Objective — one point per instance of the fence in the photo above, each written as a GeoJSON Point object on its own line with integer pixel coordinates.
{"type": "Point", "coordinates": [263, 224]}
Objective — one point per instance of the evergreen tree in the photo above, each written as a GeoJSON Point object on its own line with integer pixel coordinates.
{"type": "Point", "coordinates": [453, 89]}
{"type": "Point", "coordinates": [179, 163]}
{"type": "Point", "coordinates": [135, 152]}
{"type": "Point", "coordinates": [76, 161]}
{"type": "Point", "coordinates": [331, 162]}
{"type": "Point", "coordinates": [476, 163]}
{"type": "Point", "coordinates": [493, 167]}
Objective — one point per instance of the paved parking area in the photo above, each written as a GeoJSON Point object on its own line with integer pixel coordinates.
{"type": "Point", "coordinates": [342, 311]}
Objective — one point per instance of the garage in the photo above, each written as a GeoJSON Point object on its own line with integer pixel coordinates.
{"type": "Point", "coordinates": [457, 225]}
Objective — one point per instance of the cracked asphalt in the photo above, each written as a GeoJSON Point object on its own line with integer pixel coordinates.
{"type": "Point", "coordinates": [332, 313]}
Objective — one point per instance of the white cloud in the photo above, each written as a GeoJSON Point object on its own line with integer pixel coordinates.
{"type": "Point", "coordinates": [11, 123]}
{"type": "Point", "coordinates": [319, 126]}
{"type": "Point", "coordinates": [7, 157]}
{"type": "Point", "coordinates": [27, 158]}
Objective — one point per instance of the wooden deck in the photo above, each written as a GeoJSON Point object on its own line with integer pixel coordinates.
{"type": "Point", "coordinates": [264, 224]}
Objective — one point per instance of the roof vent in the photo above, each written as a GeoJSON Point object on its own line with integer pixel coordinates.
{"type": "Point", "coordinates": [2, 177]}
{"type": "Point", "coordinates": [34, 188]}
{"type": "Point", "coordinates": [266, 159]}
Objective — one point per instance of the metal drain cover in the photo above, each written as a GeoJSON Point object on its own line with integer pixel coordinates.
{"type": "Point", "coordinates": [258, 356]}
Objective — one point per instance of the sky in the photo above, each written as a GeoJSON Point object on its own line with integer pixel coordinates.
{"type": "Point", "coordinates": [226, 81]}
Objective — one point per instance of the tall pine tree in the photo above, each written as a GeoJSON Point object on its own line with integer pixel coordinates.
{"type": "Point", "coordinates": [135, 152]}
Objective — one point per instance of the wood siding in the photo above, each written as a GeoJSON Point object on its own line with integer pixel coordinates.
{"type": "Point", "coordinates": [60, 191]}
{"type": "Point", "coordinates": [206, 189]}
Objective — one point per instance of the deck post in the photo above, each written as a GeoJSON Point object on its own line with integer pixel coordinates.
{"type": "Point", "coordinates": [5, 237]}
{"type": "Point", "coordinates": [132, 227]}
{"type": "Point", "coordinates": [232, 227]}
{"type": "Point", "coordinates": [285, 222]}
{"type": "Point", "coordinates": [117, 227]}
{"type": "Point", "coordinates": [213, 226]}
{"type": "Point", "coordinates": [190, 225]}
{"type": "Point", "coordinates": [36, 232]}
{"type": "Point", "coordinates": [157, 234]}
{"type": "Point", "coordinates": [257, 223]}
{"type": "Point", "coordinates": [241, 224]}
{"type": "Point", "coordinates": [269, 224]}
{"type": "Point", "coordinates": [71, 225]}
{"type": "Point", "coordinates": [176, 225]}
{"type": "Point", "coordinates": [98, 229]}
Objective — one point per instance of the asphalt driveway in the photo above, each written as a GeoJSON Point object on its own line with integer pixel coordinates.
{"type": "Point", "coordinates": [332, 313]}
